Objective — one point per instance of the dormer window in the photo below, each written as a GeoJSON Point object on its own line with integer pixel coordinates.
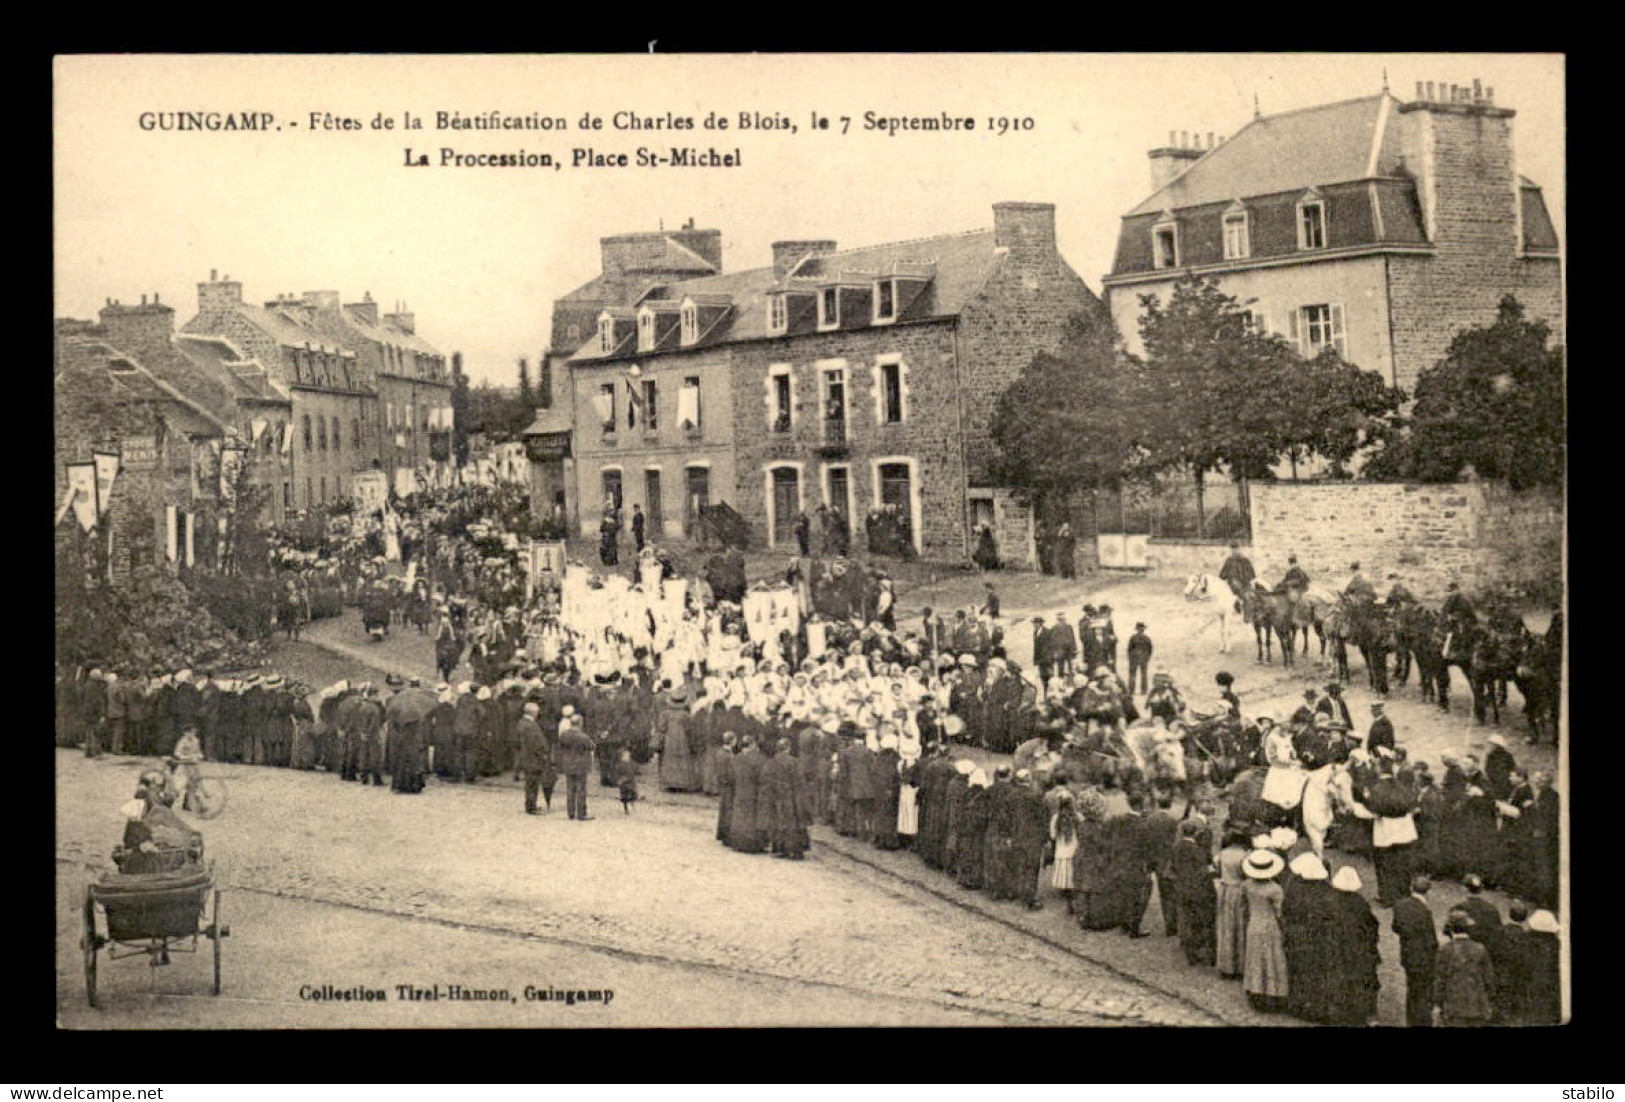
{"type": "Point", "coordinates": [1311, 224]}
{"type": "Point", "coordinates": [606, 335]}
{"type": "Point", "coordinates": [1165, 245]}
{"type": "Point", "coordinates": [778, 314]}
{"type": "Point", "coordinates": [646, 331]}
{"type": "Point", "coordinates": [691, 323]}
{"type": "Point", "coordinates": [886, 300]}
{"type": "Point", "coordinates": [829, 308]}
{"type": "Point", "coordinates": [1237, 238]}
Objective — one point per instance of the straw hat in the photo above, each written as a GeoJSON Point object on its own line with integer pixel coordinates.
{"type": "Point", "coordinates": [965, 766]}
{"type": "Point", "coordinates": [1544, 922]}
{"type": "Point", "coordinates": [1346, 879]}
{"type": "Point", "coordinates": [1283, 838]}
{"type": "Point", "coordinates": [1263, 864]}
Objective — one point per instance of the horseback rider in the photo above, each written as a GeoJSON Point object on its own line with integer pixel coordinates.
{"type": "Point", "coordinates": [1164, 702]}
{"type": "Point", "coordinates": [1295, 582]}
{"type": "Point", "coordinates": [1237, 570]}
{"type": "Point", "coordinates": [1399, 596]}
{"type": "Point", "coordinates": [1458, 610]}
{"type": "Point", "coordinates": [1359, 588]}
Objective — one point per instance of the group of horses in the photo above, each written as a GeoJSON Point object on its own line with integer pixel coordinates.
{"type": "Point", "coordinates": [1490, 656]}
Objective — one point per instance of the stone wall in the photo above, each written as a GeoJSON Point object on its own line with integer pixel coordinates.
{"type": "Point", "coordinates": [1182, 558]}
{"type": "Point", "coordinates": [1479, 534]}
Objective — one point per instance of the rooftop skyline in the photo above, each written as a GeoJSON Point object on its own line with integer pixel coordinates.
{"type": "Point", "coordinates": [479, 254]}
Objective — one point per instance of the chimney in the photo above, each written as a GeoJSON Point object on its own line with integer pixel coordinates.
{"type": "Point", "coordinates": [366, 309]}
{"type": "Point", "coordinates": [1170, 160]}
{"type": "Point", "coordinates": [322, 301]}
{"type": "Point", "coordinates": [1027, 230]}
{"type": "Point", "coordinates": [787, 254]}
{"type": "Point", "coordinates": [402, 319]}
{"type": "Point", "coordinates": [135, 329]}
{"type": "Point", "coordinates": [218, 294]}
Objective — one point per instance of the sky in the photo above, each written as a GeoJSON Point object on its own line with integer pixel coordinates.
{"type": "Point", "coordinates": [479, 254]}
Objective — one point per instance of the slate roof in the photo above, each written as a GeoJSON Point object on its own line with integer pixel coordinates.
{"type": "Point", "coordinates": [245, 376]}
{"type": "Point", "coordinates": [962, 263]}
{"type": "Point", "coordinates": [129, 379]}
{"type": "Point", "coordinates": [1326, 144]}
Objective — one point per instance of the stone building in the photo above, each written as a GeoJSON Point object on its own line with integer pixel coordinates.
{"type": "Point", "coordinates": [853, 379]}
{"type": "Point", "coordinates": [1380, 226]}
{"type": "Point", "coordinates": [364, 390]}
{"type": "Point", "coordinates": [167, 421]}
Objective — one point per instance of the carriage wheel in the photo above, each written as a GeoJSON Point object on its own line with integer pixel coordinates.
{"type": "Point", "coordinates": [90, 946]}
{"type": "Point", "coordinates": [218, 934]}
{"type": "Point", "coordinates": [208, 796]}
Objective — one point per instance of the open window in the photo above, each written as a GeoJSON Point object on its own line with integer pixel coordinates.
{"type": "Point", "coordinates": [1165, 244]}
{"type": "Point", "coordinates": [1311, 224]}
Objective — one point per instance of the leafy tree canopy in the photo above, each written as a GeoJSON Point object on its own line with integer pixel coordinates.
{"type": "Point", "coordinates": [1495, 403]}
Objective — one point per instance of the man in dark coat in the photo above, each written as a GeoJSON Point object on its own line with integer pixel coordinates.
{"type": "Point", "coordinates": [1381, 733]}
{"type": "Point", "coordinates": [1418, 951]}
{"type": "Point", "coordinates": [1485, 917]}
{"type": "Point", "coordinates": [1237, 571]}
{"type": "Point", "coordinates": [1511, 958]}
{"type": "Point", "coordinates": [466, 729]}
{"type": "Point", "coordinates": [745, 822]}
{"type": "Point", "coordinates": [724, 754]}
{"type": "Point", "coordinates": [1063, 645]}
{"type": "Point", "coordinates": [574, 758]}
{"type": "Point", "coordinates": [367, 726]}
{"type": "Point", "coordinates": [535, 759]}
{"type": "Point", "coordinates": [208, 716]}
{"type": "Point", "coordinates": [1498, 766]}
{"type": "Point", "coordinates": [784, 800]}
{"type": "Point", "coordinates": [857, 788]}
{"type": "Point", "coordinates": [1160, 831]}
{"type": "Point", "coordinates": [183, 710]}
{"type": "Point", "coordinates": [638, 523]}
{"type": "Point", "coordinates": [1355, 958]}
{"type": "Point", "coordinates": [934, 776]}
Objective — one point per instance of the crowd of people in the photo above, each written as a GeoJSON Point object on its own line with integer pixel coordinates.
{"type": "Point", "coordinates": [802, 701]}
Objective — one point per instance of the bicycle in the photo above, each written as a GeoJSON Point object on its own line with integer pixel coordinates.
{"type": "Point", "coordinates": [202, 795]}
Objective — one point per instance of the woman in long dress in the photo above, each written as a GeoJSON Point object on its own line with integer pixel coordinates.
{"type": "Point", "coordinates": [908, 808]}
{"type": "Point", "coordinates": [1230, 923]}
{"type": "Point", "coordinates": [1091, 867]}
{"type": "Point", "coordinates": [1063, 831]}
{"type": "Point", "coordinates": [1264, 975]}
{"type": "Point", "coordinates": [1354, 946]}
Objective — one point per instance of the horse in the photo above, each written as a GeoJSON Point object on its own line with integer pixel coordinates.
{"type": "Point", "coordinates": [1539, 679]}
{"type": "Point", "coordinates": [1199, 587]}
{"type": "Point", "coordinates": [1419, 634]}
{"type": "Point", "coordinates": [1269, 613]}
{"type": "Point", "coordinates": [1250, 811]}
{"type": "Point", "coordinates": [1371, 630]}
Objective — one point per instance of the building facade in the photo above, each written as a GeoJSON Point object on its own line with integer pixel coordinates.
{"type": "Point", "coordinates": [366, 393]}
{"type": "Point", "coordinates": [1379, 226]}
{"type": "Point", "coordinates": [855, 379]}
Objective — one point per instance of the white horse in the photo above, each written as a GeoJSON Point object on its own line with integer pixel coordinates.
{"type": "Point", "coordinates": [1200, 587]}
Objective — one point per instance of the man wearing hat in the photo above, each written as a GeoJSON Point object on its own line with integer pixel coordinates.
{"type": "Point", "coordinates": [575, 750]}
{"type": "Point", "coordinates": [1418, 951]}
{"type": "Point", "coordinates": [1041, 652]}
{"type": "Point", "coordinates": [1359, 588]}
{"type": "Point", "coordinates": [183, 710]}
{"type": "Point", "coordinates": [1381, 733]}
{"type": "Point", "coordinates": [1237, 571]}
{"type": "Point", "coordinates": [368, 737]}
{"type": "Point", "coordinates": [535, 759]}
{"type": "Point", "coordinates": [1335, 708]}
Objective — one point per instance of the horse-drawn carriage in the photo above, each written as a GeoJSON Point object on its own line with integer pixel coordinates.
{"type": "Point", "coordinates": [153, 913]}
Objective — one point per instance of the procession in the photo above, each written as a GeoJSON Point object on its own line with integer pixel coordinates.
{"type": "Point", "coordinates": [809, 704]}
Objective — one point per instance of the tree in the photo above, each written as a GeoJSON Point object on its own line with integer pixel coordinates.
{"type": "Point", "coordinates": [459, 410]}
{"type": "Point", "coordinates": [1495, 403]}
{"type": "Point", "coordinates": [497, 413]}
{"type": "Point", "coordinates": [527, 396]}
{"type": "Point", "coordinates": [1224, 395]}
{"type": "Point", "coordinates": [1066, 423]}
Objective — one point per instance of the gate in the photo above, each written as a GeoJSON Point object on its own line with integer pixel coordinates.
{"type": "Point", "coordinates": [1123, 528]}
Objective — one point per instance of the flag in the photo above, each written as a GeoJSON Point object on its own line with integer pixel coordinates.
{"type": "Point", "coordinates": [82, 487]}
{"type": "Point", "coordinates": [256, 429]}
{"type": "Point", "coordinates": [107, 466]}
{"type": "Point", "coordinates": [604, 404]}
{"type": "Point", "coordinates": [634, 404]}
{"type": "Point", "coordinates": [287, 437]}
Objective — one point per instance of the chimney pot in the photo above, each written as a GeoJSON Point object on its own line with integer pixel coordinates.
{"type": "Point", "coordinates": [1173, 139]}
{"type": "Point", "coordinates": [1210, 139]}
{"type": "Point", "coordinates": [1489, 95]}
{"type": "Point", "coordinates": [1478, 88]}
{"type": "Point", "coordinates": [1419, 90]}
{"type": "Point", "coordinates": [143, 300]}
{"type": "Point", "coordinates": [214, 275]}
{"type": "Point", "coordinates": [155, 298]}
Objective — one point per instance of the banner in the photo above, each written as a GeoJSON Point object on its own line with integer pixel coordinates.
{"type": "Point", "coordinates": [370, 491]}
{"type": "Point", "coordinates": [138, 453]}
{"type": "Point", "coordinates": [257, 428]}
{"type": "Point", "coordinates": [392, 537]}
{"type": "Point", "coordinates": [406, 481]}
{"type": "Point", "coordinates": [82, 487]}
{"type": "Point", "coordinates": [107, 468]}
{"type": "Point", "coordinates": [287, 437]}
{"type": "Point", "coordinates": [231, 462]}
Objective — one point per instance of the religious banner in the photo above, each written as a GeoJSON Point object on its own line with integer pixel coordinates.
{"type": "Point", "coordinates": [392, 537]}
{"type": "Point", "coordinates": [287, 438]}
{"type": "Point", "coordinates": [107, 468]}
{"type": "Point", "coordinates": [369, 490]}
{"type": "Point", "coordinates": [257, 428]}
{"type": "Point", "coordinates": [82, 485]}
